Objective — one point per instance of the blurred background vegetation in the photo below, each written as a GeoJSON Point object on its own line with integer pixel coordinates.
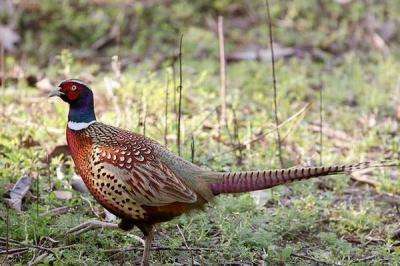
{"type": "Point", "coordinates": [149, 30]}
{"type": "Point", "coordinates": [345, 52]}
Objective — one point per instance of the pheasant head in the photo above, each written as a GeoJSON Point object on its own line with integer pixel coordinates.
{"type": "Point", "coordinates": [80, 99]}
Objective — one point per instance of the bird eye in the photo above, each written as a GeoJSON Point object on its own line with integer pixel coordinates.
{"type": "Point", "coordinates": [73, 88]}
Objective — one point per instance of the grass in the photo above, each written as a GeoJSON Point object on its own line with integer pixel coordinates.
{"type": "Point", "coordinates": [335, 221]}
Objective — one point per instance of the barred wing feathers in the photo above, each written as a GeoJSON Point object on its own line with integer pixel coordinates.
{"type": "Point", "coordinates": [130, 158]}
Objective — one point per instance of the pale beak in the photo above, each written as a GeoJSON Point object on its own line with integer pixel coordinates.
{"type": "Point", "coordinates": [56, 92]}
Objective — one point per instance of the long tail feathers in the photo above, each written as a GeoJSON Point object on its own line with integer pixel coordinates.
{"type": "Point", "coordinates": [235, 182]}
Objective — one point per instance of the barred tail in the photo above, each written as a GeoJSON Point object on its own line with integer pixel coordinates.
{"type": "Point", "coordinates": [235, 182]}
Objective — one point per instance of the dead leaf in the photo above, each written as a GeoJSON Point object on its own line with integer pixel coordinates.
{"type": "Point", "coordinates": [360, 176]}
{"type": "Point", "coordinates": [58, 150]}
{"type": "Point", "coordinates": [63, 195]}
{"type": "Point", "coordinates": [78, 184]}
{"type": "Point", "coordinates": [44, 85]}
{"type": "Point", "coordinates": [109, 216]}
{"type": "Point", "coordinates": [18, 192]}
{"type": "Point", "coordinates": [8, 37]}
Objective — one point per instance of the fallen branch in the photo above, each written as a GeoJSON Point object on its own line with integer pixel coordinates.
{"type": "Point", "coordinates": [158, 248]}
{"type": "Point", "coordinates": [305, 257]}
{"type": "Point", "coordinates": [15, 242]}
{"type": "Point", "coordinates": [13, 251]}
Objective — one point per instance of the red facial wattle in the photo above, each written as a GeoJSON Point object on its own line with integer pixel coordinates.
{"type": "Point", "coordinates": [73, 95]}
{"type": "Point", "coordinates": [71, 91]}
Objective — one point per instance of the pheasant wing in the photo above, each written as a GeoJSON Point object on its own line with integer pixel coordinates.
{"type": "Point", "coordinates": [131, 158]}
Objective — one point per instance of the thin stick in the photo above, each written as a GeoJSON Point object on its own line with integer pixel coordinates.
{"type": "Point", "coordinates": [7, 228]}
{"type": "Point", "coordinates": [185, 242]}
{"type": "Point", "coordinates": [174, 90]}
{"type": "Point", "coordinates": [305, 257]}
{"type": "Point", "coordinates": [320, 124]}
{"type": "Point", "coordinates": [15, 242]}
{"type": "Point", "coordinates": [13, 251]}
{"type": "Point", "coordinates": [3, 86]}
{"type": "Point", "coordinates": [3, 72]}
{"type": "Point", "coordinates": [278, 136]}
{"type": "Point", "coordinates": [239, 158]}
{"type": "Point", "coordinates": [166, 112]}
{"type": "Point", "coordinates": [192, 149]}
{"type": "Point", "coordinates": [158, 248]}
{"type": "Point", "coordinates": [37, 209]}
{"type": "Point", "coordinates": [178, 139]}
{"type": "Point", "coordinates": [144, 114]}
{"type": "Point", "coordinates": [222, 69]}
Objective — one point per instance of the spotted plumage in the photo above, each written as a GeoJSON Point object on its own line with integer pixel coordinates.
{"type": "Point", "coordinates": [122, 172]}
{"type": "Point", "coordinates": [142, 182]}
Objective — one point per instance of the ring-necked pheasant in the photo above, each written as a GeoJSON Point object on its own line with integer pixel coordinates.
{"type": "Point", "coordinates": [143, 183]}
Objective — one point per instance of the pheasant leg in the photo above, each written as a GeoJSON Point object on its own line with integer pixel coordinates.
{"type": "Point", "coordinates": [147, 245]}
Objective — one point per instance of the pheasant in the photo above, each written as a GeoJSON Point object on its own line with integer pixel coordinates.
{"type": "Point", "coordinates": [142, 182]}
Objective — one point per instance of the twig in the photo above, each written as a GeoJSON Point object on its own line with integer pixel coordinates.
{"type": "Point", "coordinates": [13, 251]}
{"type": "Point", "coordinates": [37, 211]}
{"type": "Point", "coordinates": [3, 72]}
{"type": "Point", "coordinates": [305, 257]}
{"type": "Point", "coordinates": [144, 121]}
{"type": "Point", "coordinates": [278, 136]}
{"type": "Point", "coordinates": [174, 90]}
{"type": "Point", "coordinates": [178, 139]}
{"type": "Point", "coordinates": [236, 138]}
{"type": "Point", "coordinates": [15, 242]}
{"type": "Point", "coordinates": [38, 259]}
{"type": "Point", "coordinates": [320, 125]}
{"type": "Point", "coordinates": [7, 228]}
{"type": "Point", "coordinates": [371, 257]}
{"type": "Point", "coordinates": [222, 70]}
{"type": "Point", "coordinates": [192, 150]}
{"type": "Point", "coordinates": [166, 112]}
{"type": "Point", "coordinates": [90, 205]}
{"type": "Point", "coordinates": [185, 242]}
{"type": "Point", "coordinates": [158, 248]}
{"type": "Point", "coordinates": [3, 84]}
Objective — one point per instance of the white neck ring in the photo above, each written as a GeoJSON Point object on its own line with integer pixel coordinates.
{"type": "Point", "coordinates": [79, 125]}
